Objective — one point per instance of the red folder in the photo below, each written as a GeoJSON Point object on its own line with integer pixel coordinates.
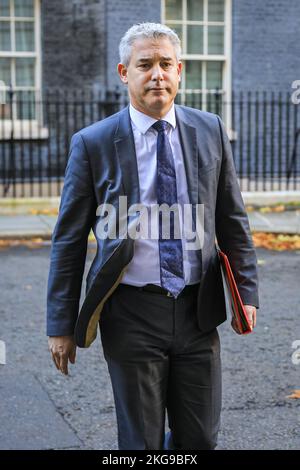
{"type": "Point", "coordinates": [234, 304]}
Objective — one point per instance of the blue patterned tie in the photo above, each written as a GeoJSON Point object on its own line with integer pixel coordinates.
{"type": "Point", "coordinates": [170, 250]}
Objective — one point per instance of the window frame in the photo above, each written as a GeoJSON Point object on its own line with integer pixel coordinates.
{"type": "Point", "coordinates": [225, 58]}
{"type": "Point", "coordinates": [25, 128]}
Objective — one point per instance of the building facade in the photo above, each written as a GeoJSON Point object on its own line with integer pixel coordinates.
{"type": "Point", "coordinates": [232, 50]}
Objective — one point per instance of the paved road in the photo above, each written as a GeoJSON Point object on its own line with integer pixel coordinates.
{"type": "Point", "coordinates": [42, 409]}
{"type": "Point", "coordinates": [39, 225]}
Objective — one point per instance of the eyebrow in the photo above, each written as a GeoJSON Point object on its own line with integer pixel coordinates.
{"type": "Point", "coordinates": [147, 59]}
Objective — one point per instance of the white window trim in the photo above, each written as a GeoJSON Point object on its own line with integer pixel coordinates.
{"type": "Point", "coordinates": [226, 58]}
{"type": "Point", "coordinates": [25, 129]}
{"type": "Point", "coordinates": [22, 130]}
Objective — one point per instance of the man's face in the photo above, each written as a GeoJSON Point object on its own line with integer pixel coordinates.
{"type": "Point", "coordinates": [153, 75]}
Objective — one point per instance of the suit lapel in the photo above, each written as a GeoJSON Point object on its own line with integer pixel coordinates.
{"type": "Point", "coordinates": [125, 149]}
{"type": "Point", "coordinates": [188, 138]}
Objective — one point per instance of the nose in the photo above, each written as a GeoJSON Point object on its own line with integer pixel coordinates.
{"type": "Point", "coordinates": [157, 73]}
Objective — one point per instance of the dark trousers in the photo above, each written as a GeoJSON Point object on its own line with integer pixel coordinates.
{"type": "Point", "coordinates": [159, 360]}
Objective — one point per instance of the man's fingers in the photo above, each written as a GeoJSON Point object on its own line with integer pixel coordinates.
{"type": "Point", "coordinates": [55, 357]}
{"type": "Point", "coordinates": [56, 362]}
{"type": "Point", "coordinates": [62, 349]}
{"type": "Point", "coordinates": [73, 355]}
{"type": "Point", "coordinates": [63, 363]}
{"type": "Point", "coordinates": [60, 360]}
{"type": "Point", "coordinates": [234, 326]}
{"type": "Point", "coordinates": [251, 314]}
{"type": "Point", "coordinates": [252, 319]}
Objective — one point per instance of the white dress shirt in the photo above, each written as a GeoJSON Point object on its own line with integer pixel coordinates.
{"type": "Point", "coordinates": [144, 267]}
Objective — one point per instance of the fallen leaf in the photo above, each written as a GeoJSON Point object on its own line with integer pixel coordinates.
{"type": "Point", "coordinates": [265, 210]}
{"type": "Point", "coordinates": [29, 242]}
{"type": "Point", "coordinates": [295, 394]}
{"type": "Point", "coordinates": [49, 211]}
{"type": "Point", "coordinates": [274, 241]}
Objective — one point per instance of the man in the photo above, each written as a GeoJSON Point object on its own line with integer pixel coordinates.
{"type": "Point", "coordinates": [160, 302]}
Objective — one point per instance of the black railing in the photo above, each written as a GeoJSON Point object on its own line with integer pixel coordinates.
{"type": "Point", "coordinates": [35, 134]}
{"type": "Point", "coordinates": [265, 145]}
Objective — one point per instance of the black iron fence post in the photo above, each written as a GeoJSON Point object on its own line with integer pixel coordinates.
{"type": "Point", "coordinates": [33, 160]}
{"type": "Point", "coordinates": [11, 160]}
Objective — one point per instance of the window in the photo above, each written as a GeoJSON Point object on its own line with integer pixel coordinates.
{"type": "Point", "coordinates": [19, 60]}
{"type": "Point", "coordinates": [204, 27]}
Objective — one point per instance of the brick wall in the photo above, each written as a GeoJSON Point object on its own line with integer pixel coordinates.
{"type": "Point", "coordinates": [73, 43]}
{"type": "Point", "coordinates": [265, 44]}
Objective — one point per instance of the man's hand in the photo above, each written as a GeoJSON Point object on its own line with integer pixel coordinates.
{"type": "Point", "coordinates": [251, 314]}
{"type": "Point", "coordinates": [62, 348]}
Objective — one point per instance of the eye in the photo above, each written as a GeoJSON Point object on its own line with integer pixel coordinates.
{"type": "Point", "coordinates": [166, 65]}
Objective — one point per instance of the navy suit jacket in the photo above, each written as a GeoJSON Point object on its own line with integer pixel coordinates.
{"type": "Point", "coordinates": [101, 167]}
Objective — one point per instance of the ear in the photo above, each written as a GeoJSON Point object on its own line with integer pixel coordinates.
{"type": "Point", "coordinates": [179, 70]}
{"type": "Point", "coordinates": [122, 71]}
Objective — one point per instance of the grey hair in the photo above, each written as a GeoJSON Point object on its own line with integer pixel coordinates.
{"type": "Point", "coordinates": [150, 31]}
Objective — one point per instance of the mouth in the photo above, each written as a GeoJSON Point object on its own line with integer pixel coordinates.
{"type": "Point", "coordinates": [157, 89]}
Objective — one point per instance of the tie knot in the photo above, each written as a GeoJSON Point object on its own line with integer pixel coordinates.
{"type": "Point", "coordinates": [160, 126]}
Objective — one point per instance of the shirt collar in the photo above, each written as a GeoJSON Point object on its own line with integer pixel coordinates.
{"type": "Point", "coordinates": [143, 122]}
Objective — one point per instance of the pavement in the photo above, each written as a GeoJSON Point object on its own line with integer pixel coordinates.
{"type": "Point", "coordinates": [36, 217]}
{"type": "Point", "coordinates": [41, 226]}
